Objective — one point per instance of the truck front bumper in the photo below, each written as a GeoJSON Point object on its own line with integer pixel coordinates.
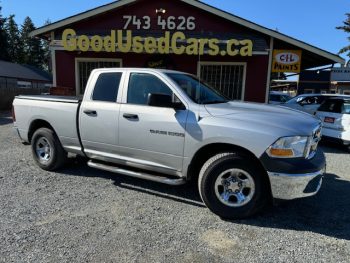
{"type": "Point", "coordinates": [291, 186]}
{"type": "Point", "coordinates": [295, 178]}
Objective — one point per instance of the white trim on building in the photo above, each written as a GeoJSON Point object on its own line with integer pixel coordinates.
{"type": "Point", "coordinates": [269, 69]}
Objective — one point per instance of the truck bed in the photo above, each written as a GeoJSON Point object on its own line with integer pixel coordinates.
{"type": "Point", "coordinates": [65, 99]}
{"type": "Point", "coordinates": [60, 112]}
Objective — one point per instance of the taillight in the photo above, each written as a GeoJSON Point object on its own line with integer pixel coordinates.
{"type": "Point", "coordinates": [13, 114]}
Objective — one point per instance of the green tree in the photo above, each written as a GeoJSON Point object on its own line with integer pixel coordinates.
{"type": "Point", "coordinates": [13, 39]}
{"type": "Point", "coordinates": [47, 63]}
{"type": "Point", "coordinates": [345, 28]}
{"type": "Point", "coordinates": [4, 55]}
{"type": "Point", "coordinates": [32, 47]}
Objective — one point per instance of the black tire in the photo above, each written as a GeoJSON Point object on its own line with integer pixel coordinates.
{"type": "Point", "coordinates": [217, 166]}
{"type": "Point", "coordinates": [52, 159]}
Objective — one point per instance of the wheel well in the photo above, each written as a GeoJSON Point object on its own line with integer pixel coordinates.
{"type": "Point", "coordinates": [208, 151]}
{"type": "Point", "coordinates": [37, 124]}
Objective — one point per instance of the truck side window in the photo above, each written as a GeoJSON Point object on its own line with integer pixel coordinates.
{"type": "Point", "coordinates": [107, 86]}
{"type": "Point", "coordinates": [141, 84]}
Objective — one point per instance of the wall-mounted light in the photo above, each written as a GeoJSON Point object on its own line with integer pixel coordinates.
{"type": "Point", "coordinates": [160, 10]}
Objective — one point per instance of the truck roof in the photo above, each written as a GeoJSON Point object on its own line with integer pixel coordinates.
{"type": "Point", "coordinates": [138, 69]}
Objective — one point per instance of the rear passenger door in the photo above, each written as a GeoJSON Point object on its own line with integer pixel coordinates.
{"type": "Point", "coordinates": [151, 137]}
{"type": "Point", "coordinates": [99, 114]}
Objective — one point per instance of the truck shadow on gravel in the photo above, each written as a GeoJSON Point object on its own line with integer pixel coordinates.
{"type": "Point", "coordinates": [327, 213]}
{"type": "Point", "coordinates": [5, 118]}
{"type": "Point", "coordinates": [187, 193]}
{"type": "Point", "coordinates": [331, 147]}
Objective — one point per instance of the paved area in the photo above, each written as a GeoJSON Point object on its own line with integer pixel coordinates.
{"type": "Point", "coordinates": [84, 215]}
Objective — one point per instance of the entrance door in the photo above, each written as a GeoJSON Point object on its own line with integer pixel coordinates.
{"type": "Point", "coordinates": [151, 137]}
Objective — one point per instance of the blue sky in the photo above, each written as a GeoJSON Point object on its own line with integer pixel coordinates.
{"type": "Point", "coordinates": [312, 21]}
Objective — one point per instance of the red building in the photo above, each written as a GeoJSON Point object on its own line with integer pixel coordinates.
{"type": "Point", "coordinates": [229, 52]}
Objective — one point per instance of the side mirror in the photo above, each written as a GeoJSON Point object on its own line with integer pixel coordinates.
{"type": "Point", "coordinates": [177, 103]}
{"type": "Point", "coordinates": [165, 101]}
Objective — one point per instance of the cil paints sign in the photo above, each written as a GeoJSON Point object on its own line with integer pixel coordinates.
{"type": "Point", "coordinates": [178, 43]}
{"type": "Point", "coordinates": [286, 61]}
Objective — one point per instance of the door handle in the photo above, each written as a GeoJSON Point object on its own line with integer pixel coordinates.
{"type": "Point", "coordinates": [130, 116]}
{"type": "Point", "coordinates": [90, 112]}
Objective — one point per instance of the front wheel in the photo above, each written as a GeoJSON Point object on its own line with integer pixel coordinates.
{"type": "Point", "coordinates": [232, 187]}
{"type": "Point", "coordinates": [47, 150]}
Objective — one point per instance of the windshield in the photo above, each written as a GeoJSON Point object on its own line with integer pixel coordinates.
{"type": "Point", "coordinates": [335, 106]}
{"type": "Point", "coordinates": [279, 97]}
{"type": "Point", "coordinates": [197, 90]}
{"type": "Point", "coordinates": [285, 98]}
{"type": "Point", "coordinates": [295, 99]}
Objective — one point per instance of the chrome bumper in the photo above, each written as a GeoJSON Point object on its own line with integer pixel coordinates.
{"type": "Point", "coordinates": [292, 186]}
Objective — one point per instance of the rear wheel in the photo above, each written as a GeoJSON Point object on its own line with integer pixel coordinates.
{"type": "Point", "coordinates": [47, 150]}
{"type": "Point", "coordinates": [232, 187]}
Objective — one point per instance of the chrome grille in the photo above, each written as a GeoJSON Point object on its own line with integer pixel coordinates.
{"type": "Point", "coordinates": [315, 139]}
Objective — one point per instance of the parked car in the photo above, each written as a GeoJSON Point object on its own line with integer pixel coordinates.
{"type": "Point", "coordinates": [335, 115]}
{"type": "Point", "coordinates": [308, 102]}
{"type": "Point", "coordinates": [276, 97]}
{"type": "Point", "coordinates": [169, 127]}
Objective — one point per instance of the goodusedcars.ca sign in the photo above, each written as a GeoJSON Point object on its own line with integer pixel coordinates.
{"type": "Point", "coordinates": [176, 42]}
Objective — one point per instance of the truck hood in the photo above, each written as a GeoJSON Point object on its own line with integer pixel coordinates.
{"type": "Point", "coordinates": [292, 121]}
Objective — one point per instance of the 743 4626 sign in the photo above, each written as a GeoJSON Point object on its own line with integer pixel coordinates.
{"type": "Point", "coordinates": [169, 23]}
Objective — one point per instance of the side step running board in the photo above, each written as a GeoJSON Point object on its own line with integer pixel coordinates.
{"type": "Point", "coordinates": [142, 175]}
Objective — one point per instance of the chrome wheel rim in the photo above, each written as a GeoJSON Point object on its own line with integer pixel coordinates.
{"type": "Point", "coordinates": [43, 150]}
{"type": "Point", "coordinates": [234, 187]}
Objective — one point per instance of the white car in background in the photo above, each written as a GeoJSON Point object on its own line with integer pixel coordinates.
{"type": "Point", "coordinates": [278, 97]}
{"type": "Point", "coordinates": [335, 116]}
{"type": "Point", "coordinates": [308, 102]}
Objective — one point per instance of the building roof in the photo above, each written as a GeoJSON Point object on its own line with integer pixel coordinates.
{"type": "Point", "coordinates": [23, 72]}
{"type": "Point", "coordinates": [330, 57]}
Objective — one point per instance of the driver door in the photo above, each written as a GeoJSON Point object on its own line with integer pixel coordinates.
{"type": "Point", "coordinates": [151, 137]}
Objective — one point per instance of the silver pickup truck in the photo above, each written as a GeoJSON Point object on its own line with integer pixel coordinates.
{"type": "Point", "coordinates": [169, 127]}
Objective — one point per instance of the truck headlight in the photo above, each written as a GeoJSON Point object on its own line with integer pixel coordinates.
{"type": "Point", "coordinates": [289, 147]}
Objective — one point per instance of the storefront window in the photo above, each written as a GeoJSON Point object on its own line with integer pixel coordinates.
{"type": "Point", "coordinates": [228, 78]}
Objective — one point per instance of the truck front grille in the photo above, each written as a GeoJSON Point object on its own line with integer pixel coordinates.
{"type": "Point", "coordinates": [315, 139]}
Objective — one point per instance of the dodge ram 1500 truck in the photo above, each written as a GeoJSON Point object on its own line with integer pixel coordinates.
{"type": "Point", "coordinates": [170, 127]}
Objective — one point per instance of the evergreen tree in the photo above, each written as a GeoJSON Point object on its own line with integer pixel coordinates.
{"type": "Point", "coordinates": [345, 28]}
{"type": "Point", "coordinates": [14, 41]}
{"type": "Point", "coordinates": [32, 47]}
{"type": "Point", "coordinates": [47, 63]}
{"type": "Point", "coordinates": [4, 55]}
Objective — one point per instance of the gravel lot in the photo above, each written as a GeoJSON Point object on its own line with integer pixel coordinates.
{"type": "Point", "coordinates": [85, 215]}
